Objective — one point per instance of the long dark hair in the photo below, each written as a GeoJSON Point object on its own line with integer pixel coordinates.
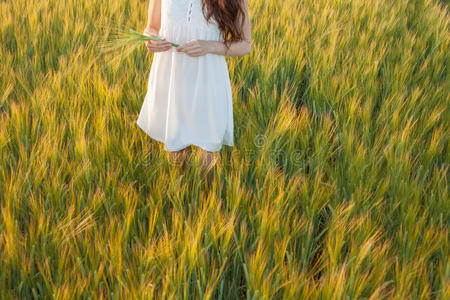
{"type": "Point", "coordinates": [226, 13]}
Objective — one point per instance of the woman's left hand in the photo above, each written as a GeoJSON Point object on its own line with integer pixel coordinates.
{"type": "Point", "coordinates": [194, 48]}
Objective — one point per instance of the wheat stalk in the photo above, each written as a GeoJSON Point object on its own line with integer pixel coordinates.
{"type": "Point", "coordinates": [124, 39]}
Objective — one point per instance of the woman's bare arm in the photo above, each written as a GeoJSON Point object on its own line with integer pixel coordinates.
{"type": "Point", "coordinates": [240, 48]}
{"type": "Point", "coordinates": [153, 26]}
{"type": "Point", "coordinates": [154, 17]}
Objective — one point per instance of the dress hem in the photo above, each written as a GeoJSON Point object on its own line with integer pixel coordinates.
{"type": "Point", "coordinates": [177, 148]}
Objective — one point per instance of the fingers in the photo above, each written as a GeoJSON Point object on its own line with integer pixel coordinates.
{"type": "Point", "coordinates": [184, 47]}
{"type": "Point", "coordinates": [191, 50]}
{"type": "Point", "coordinates": [158, 46]}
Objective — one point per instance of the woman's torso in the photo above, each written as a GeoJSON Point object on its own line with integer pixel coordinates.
{"type": "Point", "coordinates": [186, 13]}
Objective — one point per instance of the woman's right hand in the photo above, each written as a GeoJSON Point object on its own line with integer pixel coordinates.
{"type": "Point", "coordinates": [157, 46]}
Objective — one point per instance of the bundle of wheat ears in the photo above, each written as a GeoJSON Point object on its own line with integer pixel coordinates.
{"type": "Point", "coordinates": [123, 38]}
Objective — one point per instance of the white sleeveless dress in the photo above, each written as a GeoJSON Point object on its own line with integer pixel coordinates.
{"type": "Point", "coordinates": [189, 99]}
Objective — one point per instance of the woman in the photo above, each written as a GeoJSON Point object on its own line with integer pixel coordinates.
{"type": "Point", "coordinates": [189, 100]}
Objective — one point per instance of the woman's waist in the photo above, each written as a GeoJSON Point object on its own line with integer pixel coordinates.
{"type": "Point", "coordinates": [168, 20]}
{"type": "Point", "coordinates": [182, 31]}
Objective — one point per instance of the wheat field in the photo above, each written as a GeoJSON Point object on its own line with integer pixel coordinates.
{"type": "Point", "coordinates": [336, 187]}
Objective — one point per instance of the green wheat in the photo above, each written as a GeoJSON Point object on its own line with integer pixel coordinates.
{"type": "Point", "coordinates": [121, 41]}
{"type": "Point", "coordinates": [336, 188]}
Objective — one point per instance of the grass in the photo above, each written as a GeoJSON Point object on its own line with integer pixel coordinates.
{"type": "Point", "coordinates": [336, 188]}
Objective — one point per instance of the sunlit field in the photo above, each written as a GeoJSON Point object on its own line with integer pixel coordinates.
{"type": "Point", "coordinates": [336, 187]}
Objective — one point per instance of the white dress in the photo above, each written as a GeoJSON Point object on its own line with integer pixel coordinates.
{"type": "Point", "coordinates": [189, 99]}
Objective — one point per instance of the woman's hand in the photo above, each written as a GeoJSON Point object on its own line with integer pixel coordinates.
{"type": "Point", "coordinates": [194, 47]}
{"type": "Point", "coordinates": [156, 46]}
